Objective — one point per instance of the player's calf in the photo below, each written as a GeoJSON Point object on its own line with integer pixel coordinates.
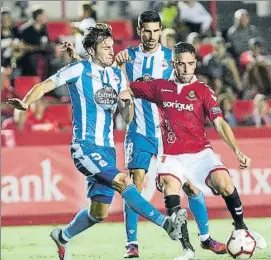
{"type": "Point", "coordinates": [131, 218]}
{"type": "Point", "coordinates": [171, 189]}
{"type": "Point", "coordinates": [138, 177]}
{"type": "Point", "coordinates": [222, 183]}
{"type": "Point", "coordinates": [225, 186]}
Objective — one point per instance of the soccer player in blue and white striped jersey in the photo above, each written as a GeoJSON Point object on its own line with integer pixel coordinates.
{"type": "Point", "coordinates": [151, 60]}
{"type": "Point", "coordinates": [96, 89]}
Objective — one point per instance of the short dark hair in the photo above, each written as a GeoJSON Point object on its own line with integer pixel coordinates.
{"type": "Point", "coordinates": [182, 47]}
{"type": "Point", "coordinates": [36, 13]}
{"type": "Point", "coordinates": [87, 8]}
{"type": "Point", "coordinates": [149, 16]}
{"type": "Point", "coordinates": [96, 34]}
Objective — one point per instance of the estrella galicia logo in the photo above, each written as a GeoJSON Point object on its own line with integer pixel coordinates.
{"type": "Point", "coordinates": [106, 97]}
{"type": "Point", "coordinates": [145, 78]}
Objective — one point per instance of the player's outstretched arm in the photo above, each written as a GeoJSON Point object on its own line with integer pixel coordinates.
{"type": "Point", "coordinates": [145, 90]}
{"type": "Point", "coordinates": [126, 106]}
{"type": "Point", "coordinates": [33, 95]}
{"type": "Point", "coordinates": [225, 131]}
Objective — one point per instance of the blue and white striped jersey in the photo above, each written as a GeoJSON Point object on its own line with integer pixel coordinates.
{"type": "Point", "coordinates": [93, 90]}
{"type": "Point", "coordinates": [145, 66]}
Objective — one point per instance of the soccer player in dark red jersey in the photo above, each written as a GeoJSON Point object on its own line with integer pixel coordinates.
{"type": "Point", "coordinates": [184, 103]}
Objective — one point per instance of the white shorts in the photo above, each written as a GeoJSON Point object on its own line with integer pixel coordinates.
{"type": "Point", "coordinates": [195, 167]}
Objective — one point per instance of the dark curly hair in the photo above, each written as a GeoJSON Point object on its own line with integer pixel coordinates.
{"type": "Point", "coordinates": [96, 34]}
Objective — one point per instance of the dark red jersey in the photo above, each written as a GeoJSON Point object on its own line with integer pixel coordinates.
{"type": "Point", "coordinates": [183, 109]}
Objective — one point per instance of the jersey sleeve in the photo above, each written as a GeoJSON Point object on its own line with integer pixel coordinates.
{"type": "Point", "coordinates": [144, 90]}
{"type": "Point", "coordinates": [67, 74]}
{"type": "Point", "coordinates": [123, 84]}
{"type": "Point", "coordinates": [211, 105]}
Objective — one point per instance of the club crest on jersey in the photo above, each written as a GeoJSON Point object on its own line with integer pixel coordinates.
{"type": "Point", "coordinates": [145, 78]}
{"type": "Point", "coordinates": [164, 64]}
{"type": "Point", "coordinates": [106, 98]}
{"type": "Point", "coordinates": [191, 95]}
{"type": "Point", "coordinates": [116, 78]}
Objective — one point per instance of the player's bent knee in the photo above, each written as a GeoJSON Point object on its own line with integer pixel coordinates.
{"type": "Point", "coordinates": [190, 189]}
{"type": "Point", "coordinates": [121, 181]}
{"type": "Point", "coordinates": [98, 211]}
{"type": "Point", "coordinates": [223, 183]}
{"type": "Point", "coordinates": [226, 189]}
{"type": "Point", "coordinates": [170, 185]}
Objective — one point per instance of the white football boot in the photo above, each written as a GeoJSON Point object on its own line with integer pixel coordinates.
{"type": "Point", "coordinates": [187, 254]}
{"type": "Point", "coordinates": [63, 249]}
{"type": "Point", "coordinates": [260, 241]}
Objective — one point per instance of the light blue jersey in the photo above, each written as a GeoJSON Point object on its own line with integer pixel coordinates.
{"type": "Point", "coordinates": [93, 91]}
{"type": "Point", "coordinates": [145, 66]}
{"type": "Point", "coordinates": [143, 134]}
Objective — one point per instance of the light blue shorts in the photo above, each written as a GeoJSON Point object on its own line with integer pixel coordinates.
{"type": "Point", "coordinates": [139, 151]}
{"type": "Point", "coordinates": [98, 164]}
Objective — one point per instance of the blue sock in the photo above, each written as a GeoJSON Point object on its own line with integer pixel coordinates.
{"type": "Point", "coordinates": [130, 219]}
{"type": "Point", "coordinates": [198, 208]}
{"type": "Point", "coordinates": [81, 222]}
{"type": "Point", "coordinates": [138, 204]}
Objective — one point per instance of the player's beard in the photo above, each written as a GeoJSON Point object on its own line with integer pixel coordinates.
{"type": "Point", "coordinates": [184, 79]}
{"type": "Point", "coordinates": [108, 62]}
{"type": "Point", "coordinates": [150, 45]}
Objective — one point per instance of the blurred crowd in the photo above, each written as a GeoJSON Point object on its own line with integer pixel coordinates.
{"type": "Point", "coordinates": [236, 64]}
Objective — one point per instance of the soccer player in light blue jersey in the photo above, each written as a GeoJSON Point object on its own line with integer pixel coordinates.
{"type": "Point", "coordinates": [151, 60]}
{"type": "Point", "coordinates": [96, 90]}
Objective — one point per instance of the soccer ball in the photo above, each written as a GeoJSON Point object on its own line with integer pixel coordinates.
{"type": "Point", "coordinates": [241, 244]}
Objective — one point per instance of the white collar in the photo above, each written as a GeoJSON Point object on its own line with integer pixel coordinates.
{"type": "Point", "coordinates": [180, 86]}
{"type": "Point", "coordinates": [149, 54]}
{"type": "Point", "coordinates": [97, 66]}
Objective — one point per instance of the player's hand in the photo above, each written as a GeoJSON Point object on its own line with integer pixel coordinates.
{"type": "Point", "coordinates": [17, 103]}
{"type": "Point", "coordinates": [122, 57]}
{"type": "Point", "coordinates": [125, 95]}
{"type": "Point", "coordinates": [243, 159]}
{"type": "Point", "coordinates": [69, 48]}
{"type": "Point", "coordinates": [125, 98]}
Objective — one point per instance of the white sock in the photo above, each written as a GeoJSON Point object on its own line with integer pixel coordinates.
{"type": "Point", "coordinates": [204, 237]}
{"type": "Point", "coordinates": [132, 242]}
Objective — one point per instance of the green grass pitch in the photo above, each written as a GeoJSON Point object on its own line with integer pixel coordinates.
{"type": "Point", "coordinates": [106, 242]}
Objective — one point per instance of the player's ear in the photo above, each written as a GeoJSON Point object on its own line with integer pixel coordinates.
{"type": "Point", "coordinates": [161, 28]}
{"type": "Point", "coordinates": [138, 31]}
{"type": "Point", "coordinates": [172, 64]}
{"type": "Point", "coordinates": [91, 51]}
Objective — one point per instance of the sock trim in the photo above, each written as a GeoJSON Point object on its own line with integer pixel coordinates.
{"type": "Point", "coordinates": [64, 236]}
{"type": "Point", "coordinates": [130, 186]}
{"type": "Point", "coordinates": [203, 238]}
{"type": "Point", "coordinates": [196, 196]}
{"type": "Point", "coordinates": [93, 219]}
{"type": "Point", "coordinates": [132, 242]}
